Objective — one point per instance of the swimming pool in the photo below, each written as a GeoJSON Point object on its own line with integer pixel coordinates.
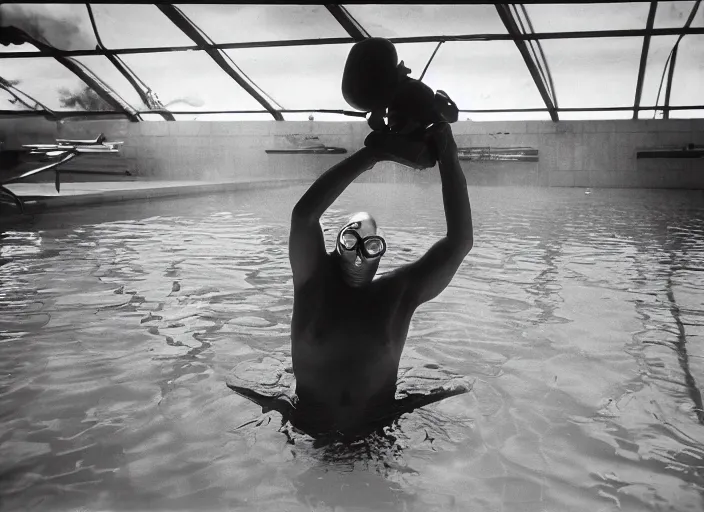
{"type": "Point", "coordinates": [578, 315]}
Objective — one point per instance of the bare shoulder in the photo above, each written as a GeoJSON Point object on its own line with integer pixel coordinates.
{"type": "Point", "coordinates": [396, 281]}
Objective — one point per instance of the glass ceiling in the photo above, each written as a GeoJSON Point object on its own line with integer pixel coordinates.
{"type": "Point", "coordinates": [605, 60]}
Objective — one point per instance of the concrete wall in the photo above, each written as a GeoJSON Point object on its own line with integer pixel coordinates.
{"type": "Point", "coordinates": [572, 153]}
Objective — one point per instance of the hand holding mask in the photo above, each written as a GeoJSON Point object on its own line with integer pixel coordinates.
{"type": "Point", "coordinates": [376, 82]}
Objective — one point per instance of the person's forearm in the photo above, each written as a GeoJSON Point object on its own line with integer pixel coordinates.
{"type": "Point", "coordinates": [458, 213]}
{"type": "Point", "coordinates": [328, 187]}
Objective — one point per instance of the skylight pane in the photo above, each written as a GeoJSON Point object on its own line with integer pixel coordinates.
{"type": "Point", "coordinates": [10, 102]}
{"type": "Point", "coordinates": [224, 117]}
{"type": "Point", "coordinates": [189, 81]}
{"type": "Point", "coordinates": [321, 116]}
{"type": "Point", "coordinates": [63, 26]}
{"type": "Point", "coordinates": [483, 75]}
{"type": "Point", "coordinates": [597, 114]}
{"type": "Point", "coordinates": [136, 26]}
{"type": "Point", "coordinates": [233, 23]}
{"type": "Point", "coordinates": [689, 73]}
{"type": "Point", "coordinates": [415, 56]}
{"type": "Point", "coordinates": [650, 114]}
{"type": "Point", "coordinates": [301, 77]}
{"type": "Point", "coordinates": [12, 48]}
{"type": "Point", "coordinates": [660, 47]}
{"type": "Point", "coordinates": [688, 80]}
{"type": "Point", "coordinates": [52, 84]}
{"type": "Point", "coordinates": [674, 114]}
{"type": "Point", "coordinates": [151, 117]}
{"type": "Point", "coordinates": [104, 69]}
{"type": "Point", "coordinates": [687, 114]}
{"type": "Point", "coordinates": [584, 17]}
{"type": "Point", "coordinates": [408, 20]}
{"type": "Point", "coordinates": [675, 14]}
{"type": "Point", "coordinates": [504, 116]}
{"type": "Point", "coordinates": [594, 72]}
{"type": "Point", "coordinates": [297, 77]}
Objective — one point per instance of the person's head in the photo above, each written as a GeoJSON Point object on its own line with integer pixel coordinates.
{"type": "Point", "coordinates": [360, 246]}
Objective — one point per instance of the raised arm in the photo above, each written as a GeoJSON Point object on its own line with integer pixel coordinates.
{"type": "Point", "coordinates": [306, 246]}
{"type": "Point", "coordinates": [431, 274]}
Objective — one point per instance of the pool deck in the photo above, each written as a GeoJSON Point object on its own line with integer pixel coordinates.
{"type": "Point", "coordinates": [43, 197]}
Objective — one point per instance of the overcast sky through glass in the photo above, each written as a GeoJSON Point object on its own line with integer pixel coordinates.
{"type": "Point", "coordinates": [478, 75]}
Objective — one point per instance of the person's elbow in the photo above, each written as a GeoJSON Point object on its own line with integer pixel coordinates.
{"type": "Point", "coordinates": [466, 243]}
{"type": "Point", "coordinates": [462, 242]}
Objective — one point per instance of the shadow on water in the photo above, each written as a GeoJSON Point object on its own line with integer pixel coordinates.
{"type": "Point", "coordinates": [545, 285]}
{"type": "Point", "coordinates": [668, 250]}
{"type": "Point", "coordinates": [680, 346]}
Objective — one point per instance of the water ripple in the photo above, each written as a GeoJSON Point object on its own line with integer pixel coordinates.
{"type": "Point", "coordinates": [580, 317]}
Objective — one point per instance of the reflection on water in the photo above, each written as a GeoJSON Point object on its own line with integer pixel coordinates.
{"type": "Point", "coordinates": [580, 317]}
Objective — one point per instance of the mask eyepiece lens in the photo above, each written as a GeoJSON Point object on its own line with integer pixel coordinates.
{"type": "Point", "coordinates": [348, 241]}
{"type": "Point", "coordinates": [371, 247]}
{"type": "Point", "coordinates": [374, 246]}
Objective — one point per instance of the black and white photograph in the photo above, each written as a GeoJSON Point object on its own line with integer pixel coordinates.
{"type": "Point", "coordinates": [391, 257]}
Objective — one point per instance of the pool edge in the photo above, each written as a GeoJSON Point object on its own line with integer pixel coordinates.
{"type": "Point", "coordinates": [52, 203]}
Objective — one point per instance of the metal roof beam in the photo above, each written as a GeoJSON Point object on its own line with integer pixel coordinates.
{"type": "Point", "coordinates": [61, 114]}
{"type": "Point", "coordinates": [351, 26]}
{"type": "Point", "coordinates": [347, 40]}
{"type": "Point", "coordinates": [673, 59]}
{"type": "Point", "coordinates": [10, 89]}
{"type": "Point", "coordinates": [143, 96]}
{"type": "Point", "coordinates": [510, 24]}
{"type": "Point", "coordinates": [97, 87]}
{"type": "Point", "coordinates": [178, 19]}
{"type": "Point", "coordinates": [15, 35]}
{"type": "Point", "coordinates": [670, 74]}
{"type": "Point", "coordinates": [583, 109]}
{"type": "Point", "coordinates": [120, 67]}
{"type": "Point", "coordinates": [644, 57]}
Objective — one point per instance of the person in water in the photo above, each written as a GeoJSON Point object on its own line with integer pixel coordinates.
{"type": "Point", "coordinates": [349, 328]}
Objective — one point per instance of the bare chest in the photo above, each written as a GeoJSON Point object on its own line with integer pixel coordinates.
{"type": "Point", "coordinates": [336, 318]}
{"type": "Point", "coordinates": [346, 344]}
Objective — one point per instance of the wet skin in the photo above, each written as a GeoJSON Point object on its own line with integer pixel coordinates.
{"type": "Point", "coordinates": [349, 328]}
{"type": "Point", "coordinates": [347, 343]}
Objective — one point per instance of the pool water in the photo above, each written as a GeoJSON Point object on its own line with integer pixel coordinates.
{"type": "Point", "coordinates": [578, 314]}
